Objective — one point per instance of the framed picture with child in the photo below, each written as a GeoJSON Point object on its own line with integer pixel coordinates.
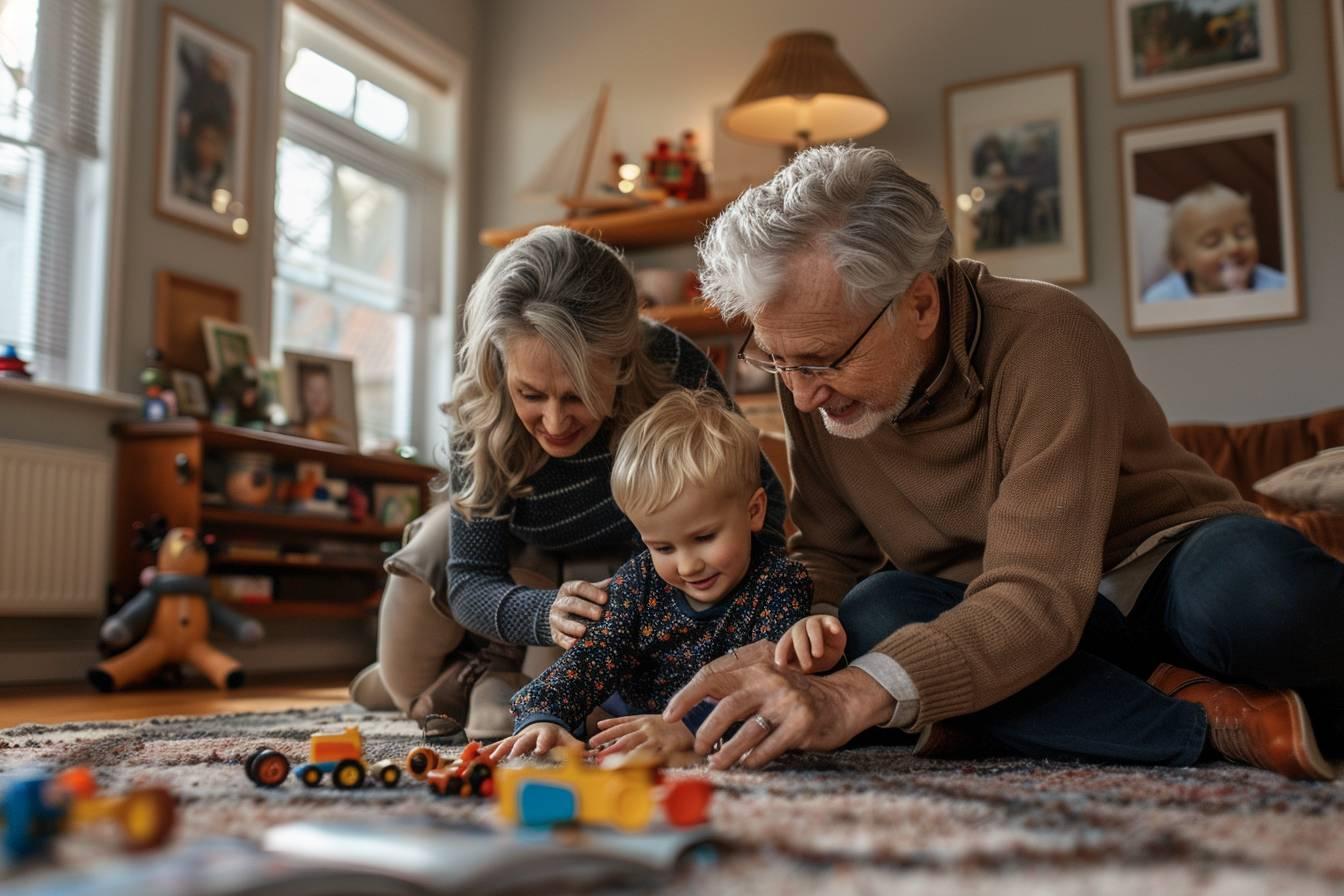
{"type": "Point", "coordinates": [202, 174]}
{"type": "Point", "coordinates": [1210, 222]}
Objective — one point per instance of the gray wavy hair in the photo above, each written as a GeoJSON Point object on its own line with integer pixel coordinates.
{"type": "Point", "coordinates": [881, 226]}
{"type": "Point", "coordinates": [577, 295]}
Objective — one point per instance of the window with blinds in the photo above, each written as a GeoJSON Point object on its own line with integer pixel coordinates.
{"type": "Point", "coordinates": [359, 205]}
{"type": "Point", "coordinates": [53, 184]}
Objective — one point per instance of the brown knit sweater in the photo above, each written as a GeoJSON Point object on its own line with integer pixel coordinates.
{"type": "Point", "coordinates": [1036, 461]}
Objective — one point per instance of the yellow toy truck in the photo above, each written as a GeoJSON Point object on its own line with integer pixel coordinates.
{"type": "Point", "coordinates": [341, 755]}
{"type": "Point", "coordinates": [622, 793]}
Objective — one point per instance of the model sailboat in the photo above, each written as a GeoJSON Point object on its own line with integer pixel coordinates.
{"type": "Point", "coordinates": [576, 173]}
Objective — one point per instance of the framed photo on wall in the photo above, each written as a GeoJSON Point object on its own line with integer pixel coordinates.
{"type": "Point", "coordinates": [1014, 174]}
{"type": "Point", "coordinates": [320, 397]}
{"type": "Point", "coordinates": [203, 170]}
{"type": "Point", "coordinates": [1210, 221]}
{"type": "Point", "coordinates": [1169, 46]}
{"type": "Point", "coordinates": [1334, 19]}
{"type": "Point", "coordinates": [180, 304]}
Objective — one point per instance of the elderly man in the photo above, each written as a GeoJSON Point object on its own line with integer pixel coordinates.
{"type": "Point", "coordinates": [992, 497]}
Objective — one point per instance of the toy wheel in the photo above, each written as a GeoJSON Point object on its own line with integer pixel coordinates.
{"type": "Point", "coordinates": [477, 777]}
{"type": "Point", "coordinates": [442, 783]}
{"type": "Point", "coordinates": [387, 773]}
{"type": "Point", "coordinates": [310, 775]}
{"type": "Point", "coordinates": [421, 761]}
{"type": "Point", "coordinates": [268, 768]}
{"type": "Point", "coordinates": [146, 818]}
{"type": "Point", "coordinates": [348, 775]}
{"type": "Point", "coordinates": [247, 763]}
{"type": "Point", "coordinates": [686, 802]}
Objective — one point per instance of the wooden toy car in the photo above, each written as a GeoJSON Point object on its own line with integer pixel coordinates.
{"type": "Point", "coordinates": [471, 774]}
{"type": "Point", "coordinates": [340, 755]}
{"type": "Point", "coordinates": [622, 793]}
{"type": "Point", "coordinates": [37, 808]}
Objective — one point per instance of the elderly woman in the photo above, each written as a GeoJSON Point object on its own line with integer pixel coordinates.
{"type": "Point", "coordinates": [555, 364]}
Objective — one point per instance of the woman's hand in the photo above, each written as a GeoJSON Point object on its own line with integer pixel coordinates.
{"type": "Point", "coordinates": [814, 644]}
{"type": "Point", "coordinates": [780, 708]}
{"type": "Point", "coordinates": [577, 605]}
{"type": "Point", "coordinates": [626, 733]}
{"type": "Point", "coordinates": [539, 738]}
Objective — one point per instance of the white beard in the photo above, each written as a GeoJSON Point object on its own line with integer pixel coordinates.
{"type": "Point", "coordinates": [867, 422]}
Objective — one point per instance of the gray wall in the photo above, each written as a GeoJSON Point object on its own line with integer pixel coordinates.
{"type": "Point", "coordinates": [670, 63]}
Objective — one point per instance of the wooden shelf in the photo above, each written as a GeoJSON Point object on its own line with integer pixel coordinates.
{"type": "Point", "coordinates": [694, 319]}
{"type": "Point", "coordinates": [222, 516]}
{"type": "Point", "coordinates": [659, 225]}
{"type": "Point", "coordinates": [284, 564]}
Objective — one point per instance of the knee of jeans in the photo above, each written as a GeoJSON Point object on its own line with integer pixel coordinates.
{"type": "Point", "coordinates": [884, 602]}
{"type": "Point", "coordinates": [1255, 587]}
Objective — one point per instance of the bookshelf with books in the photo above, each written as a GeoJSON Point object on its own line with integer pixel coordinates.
{"type": "Point", "coordinates": [300, 528]}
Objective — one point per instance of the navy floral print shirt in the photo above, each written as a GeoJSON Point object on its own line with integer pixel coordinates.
{"type": "Point", "coordinates": [651, 640]}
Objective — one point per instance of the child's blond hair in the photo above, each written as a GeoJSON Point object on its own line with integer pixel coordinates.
{"type": "Point", "coordinates": [1186, 201]}
{"type": "Point", "coordinates": [688, 438]}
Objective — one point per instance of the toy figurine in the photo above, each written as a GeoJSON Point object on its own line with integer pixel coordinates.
{"type": "Point", "coordinates": [622, 792]}
{"type": "Point", "coordinates": [160, 402]}
{"type": "Point", "coordinates": [178, 613]}
{"type": "Point", "coordinates": [36, 808]}
{"type": "Point", "coordinates": [12, 366]}
{"type": "Point", "coordinates": [341, 755]}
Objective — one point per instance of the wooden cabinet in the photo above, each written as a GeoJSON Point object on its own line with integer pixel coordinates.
{"type": "Point", "coordinates": [641, 228]}
{"type": "Point", "coordinates": [322, 566]}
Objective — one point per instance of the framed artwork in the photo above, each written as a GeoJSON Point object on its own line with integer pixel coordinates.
{"type": "Point", "coordinates": [395, 505]}
{"type": "Point", "coordinates": [320, 397]}
{"type": "Point", "coordinates": [192, 399]}
{"type": "Point", "coordinates": [180, 304]}
{"type": "Point", "coordinates": [1014, 174]}
{"type": "Point", "coordinates": [228, 345]}
{"type": "Point", "coordinates": [1168, 46]}
{"type": "Point", "coordinates": [1210, 221]}
{"type": "Point", "coordinates": [203, 168]}
{"type": "Point", "coordinates": [1334, 18]}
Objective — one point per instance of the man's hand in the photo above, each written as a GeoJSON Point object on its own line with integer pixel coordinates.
{"type": "Point", "coordinates": [620, 735]}
{"type": "Point", "coordinates": [814, 644]}
{"type": "Point", "coordinates": [539, 738]}
{"type": "Point", "coordinates": [781, 709]}
{"type": "Point", "coordinates": [577, 605]}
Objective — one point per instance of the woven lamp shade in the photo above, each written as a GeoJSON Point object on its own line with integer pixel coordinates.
{"type": "Point", "coordinates": [803, 92]}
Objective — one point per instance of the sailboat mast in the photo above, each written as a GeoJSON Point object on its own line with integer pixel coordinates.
{"type": "Point", "coordinates": [598, 115]}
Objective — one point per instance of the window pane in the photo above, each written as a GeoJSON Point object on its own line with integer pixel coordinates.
{"type": "Point", "coordinates": [18, 38]}
{"type": "Point", "coordinates": [319, 80]}
{"type": "Point", "coordinates": [379, 341]}
{"type": "Point", "coordinates": [370, 231]}
{"type": "Point", "coordinates": [303, 186]}
{"type": "Point", "coordinates": [16, 310]}
{"type": "Point", "coordinates": [383, 113]}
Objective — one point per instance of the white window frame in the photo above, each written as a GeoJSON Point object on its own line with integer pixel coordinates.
{"type": "Point", "coordinates": [436, 244]}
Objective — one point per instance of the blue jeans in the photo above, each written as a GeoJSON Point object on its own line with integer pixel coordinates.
{"type": "Point", "coordinates": [1242, 599]}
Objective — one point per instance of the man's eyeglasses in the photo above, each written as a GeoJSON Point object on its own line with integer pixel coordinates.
{"type": "Point", "coordinates": [807, 370]}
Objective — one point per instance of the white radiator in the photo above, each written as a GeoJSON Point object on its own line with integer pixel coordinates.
{"type": "Point", "coordinates": [55, 518]}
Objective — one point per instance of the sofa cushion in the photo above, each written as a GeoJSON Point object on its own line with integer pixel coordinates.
{"type": "Point", "coordinates": [1315, 484]}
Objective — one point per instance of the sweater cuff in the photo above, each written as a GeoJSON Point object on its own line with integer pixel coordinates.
{"type": "Point", "coordinates": [535, 717]}
{"type": "Point", "coordinates": [940, 674]}
{"type": "Point", "coordinates": [896, 682]}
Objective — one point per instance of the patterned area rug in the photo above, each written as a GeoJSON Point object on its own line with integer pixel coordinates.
{"type": "Point", "coordinates": [859, 821]}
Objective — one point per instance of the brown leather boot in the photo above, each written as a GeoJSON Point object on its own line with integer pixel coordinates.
{"type": "Point", "coordinates": [442, 709]}
{"type": "Point", "coordinates": [952, 739]}
{"type": "Point", "coordinates": [490, 716]}
{"type": "Point", "coordinates": [1269, 729]}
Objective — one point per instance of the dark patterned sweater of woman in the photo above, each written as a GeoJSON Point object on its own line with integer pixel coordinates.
{"type": "Point", "coordinates": [651, 640]}
{"type": "Point", "coordinates": [570, 510]}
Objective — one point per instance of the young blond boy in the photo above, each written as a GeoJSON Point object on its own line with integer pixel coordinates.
{"type": "Point", "coordinates": [687, 474]}
{"type": "Point", "coordinates": [1212, 248]}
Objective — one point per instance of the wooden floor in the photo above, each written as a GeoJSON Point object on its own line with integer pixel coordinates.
{"type": "Point", "coordinates": [51, 704]}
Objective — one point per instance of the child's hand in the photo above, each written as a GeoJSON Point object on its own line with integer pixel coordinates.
{"type": "Point", "coordinates": [539, 738]}
{"type": "Point", "coordinates": [626, 733]}
{"type": "Point", "coordinates": [814, 644]}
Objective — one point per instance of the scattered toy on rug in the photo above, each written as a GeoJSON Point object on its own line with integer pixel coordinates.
{"type": "Point", "coordinates": [35, 809]}
{"type": "Point", "coordinates": [622, 792]}
{"type": "Point", "coordinates": [340, 755]}
{"type": "Point", "coordinates": [174, 612]}
{"type": "Point", "coordinates": [471, 774]}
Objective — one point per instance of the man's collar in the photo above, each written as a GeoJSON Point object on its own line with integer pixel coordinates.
{"type": "Point", "coordinates": [965, 316]}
